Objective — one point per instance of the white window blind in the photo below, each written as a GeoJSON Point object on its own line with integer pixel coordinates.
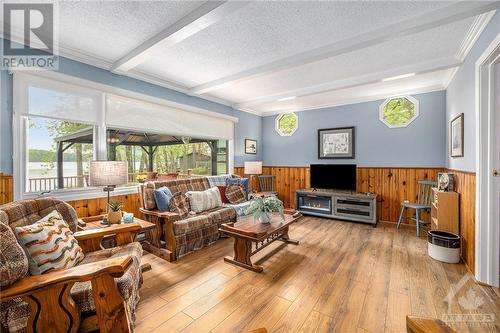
{"type": "Point", "coordinates": [57, 100]}
{"type": "Point", "coordinates": [122, 112]}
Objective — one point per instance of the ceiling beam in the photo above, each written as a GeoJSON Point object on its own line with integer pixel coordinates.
{"type": "Point", "coordinates": [420, 68]}
{"type": "Point", "coordinates": [202, 17]}
{"type": "Point", "coordinates": [433, 19]}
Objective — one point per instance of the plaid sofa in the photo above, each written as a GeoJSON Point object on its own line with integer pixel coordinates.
{"type": "Point", "coordinates": [14, 314]}
{"type": "Point", "coordinates": [195, 231]}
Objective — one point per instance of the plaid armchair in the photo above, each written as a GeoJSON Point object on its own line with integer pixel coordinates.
{"type": "Point", "coordinates": [105, 285]}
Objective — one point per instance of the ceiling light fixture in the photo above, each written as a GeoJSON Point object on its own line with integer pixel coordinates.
{"type": "Point", "coordinates": [397, 77]}
{"type": "Point", "coordinates": [287, 98]}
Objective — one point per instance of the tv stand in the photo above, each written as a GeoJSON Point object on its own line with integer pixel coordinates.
{"type": "Point", "coordinates": [344, 205]}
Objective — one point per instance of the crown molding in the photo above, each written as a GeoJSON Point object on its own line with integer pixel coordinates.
{"type": "Point", "coordinates": [475, 30]}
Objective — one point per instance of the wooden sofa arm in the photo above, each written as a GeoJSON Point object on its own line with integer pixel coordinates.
{"type": "Point", "coordinates": [26, 286]}
{"type": "Point", "coordinates": [163, 215]}
{"type": "Point", "coordinates": [49, 297]}
{"type": "Point", "coordinates": [90, 240]}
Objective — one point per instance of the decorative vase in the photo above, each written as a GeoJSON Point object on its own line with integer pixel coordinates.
{"type": "Point", "coordinates": [265, 218]}
{"type": "Point", "coordinates": [115, 217]}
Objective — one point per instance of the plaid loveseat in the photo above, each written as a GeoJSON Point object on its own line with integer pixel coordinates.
{"type": "Point", "coordinates": [194, 232]}
{"type": "Point", "coordinates": [14, 313]}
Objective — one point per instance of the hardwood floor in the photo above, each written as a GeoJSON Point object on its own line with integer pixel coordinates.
{"type": "Point", "coordinates": [343, 277]}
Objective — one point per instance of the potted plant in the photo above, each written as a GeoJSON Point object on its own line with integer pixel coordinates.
{"type": "Point", "coordinates": [263, 208]}
{"type": "Point", "coordinates": [115, 212]}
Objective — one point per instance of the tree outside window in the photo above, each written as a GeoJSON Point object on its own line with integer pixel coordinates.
{"type": "Point", "coordinates": [398, 112]}
{"type": "Point", "coordinates": [287, 124]}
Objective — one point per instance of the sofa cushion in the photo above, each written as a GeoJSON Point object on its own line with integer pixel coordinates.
{"type": "Point", "coordinates": [192, 223]}
{"type": "Point", "coordinates": [239, 181]}
{"type": "Point", "coordinates": [49, 244]}
{"type": "Point", "coordinates": [200, 201]}
{"type": "Point", "coordinates": [13, 260]}
{"type": "Point", "coordinates": [235, 194]}
{"type": "Point", "coordinates": [222, 190]}
{"type": "Point", "coordinates": [179, 204]}
{"type": "Point", "coordinates": [128, 284]}
{"type": "Point", "coordinates": [221, 215]}
{"type": "Point", "coordinates": [148, 195]}
{"type": "Point", "coordinates": [162, 198]}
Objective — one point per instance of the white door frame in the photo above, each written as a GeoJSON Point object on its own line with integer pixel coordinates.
{"type": "Point", "coordinates": [487, 256]}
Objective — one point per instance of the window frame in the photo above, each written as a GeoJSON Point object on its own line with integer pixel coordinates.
{"type": "Point", "coordinates": [20, 131]}
{"type": "Point", "coordinates": [408, 97]}
{"type": "Point", "coordinates": [276, 124]}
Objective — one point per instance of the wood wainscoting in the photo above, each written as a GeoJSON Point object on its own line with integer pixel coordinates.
{"type": "Point", "coordinates": [466, 186]}
{"type": "Point", "coordinates": [6, 188]}
{"type": "Point", "coordinates": [393, 185]}
{"type": "Point", "coordinates": [96, 206]}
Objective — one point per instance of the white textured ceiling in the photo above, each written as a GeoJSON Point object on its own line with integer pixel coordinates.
{"type": "Point", "coordinates": [252, 54]}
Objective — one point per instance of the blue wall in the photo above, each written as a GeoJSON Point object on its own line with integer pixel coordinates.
{"type": "Point", "coordinates": [461, 99]}
{"type": "Point", "coordinates": [422, 143]}
{"type": "Point", "coordinates": [5, 122]}
{"type": "Point", "coordinates": [248, 127]}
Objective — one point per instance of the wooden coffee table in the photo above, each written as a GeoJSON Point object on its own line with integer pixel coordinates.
{"type": "Point", "coordinates": [251, 236]}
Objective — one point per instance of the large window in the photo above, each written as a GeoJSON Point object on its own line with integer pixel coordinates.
{"type": "Point", "coordinates": [61, 125]}
{"type": "Point", "coordinates": [58, 154]}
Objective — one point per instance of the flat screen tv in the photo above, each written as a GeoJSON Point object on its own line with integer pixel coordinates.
{"type": "Point", "coordinates": [333, 176]}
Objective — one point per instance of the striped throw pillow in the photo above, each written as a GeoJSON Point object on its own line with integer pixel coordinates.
{"type": "Point", "coordinates": [236, 194]}
{"type": "Point", "coordinates": [200, 201]}
{"type": "Point", "coordinates": [49, 244]}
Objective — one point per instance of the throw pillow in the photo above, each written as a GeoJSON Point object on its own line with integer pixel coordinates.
{"type": "Point", "coordinates": [222, 190]}
{"type": "Point", "coordinates": [49, 244]}
{"type": "Point", "coordinates": [179, 204]}
{"type": "Point", "coordinates": [200, 201]}
{"type": "Point", "coordinates": [13, 260]}
{"type": "Point", "coordinates": [236, 194]}
{"type": "Point", "coordinates": [162, 198]}
{"type": "Point", "coordinates": [238, 181]}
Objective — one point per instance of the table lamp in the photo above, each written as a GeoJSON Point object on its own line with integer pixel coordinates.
{"type": "Point", "coordinates": [253, 168]}
{"type": "Point", "coordinates": [108, 174]}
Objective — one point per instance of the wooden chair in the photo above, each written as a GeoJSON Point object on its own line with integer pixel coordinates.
{"type": "Point", "coordinates": [42, 303]}
{"type": "Point", "coordinates": [423, 203]}
{"type": "Point", "coordinates": [266, 183]}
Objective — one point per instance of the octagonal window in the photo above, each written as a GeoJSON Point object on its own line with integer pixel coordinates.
{"type": "Point", "coordinates": [399, 111]}
{"type": "Point", "coordinates": [287, 124]}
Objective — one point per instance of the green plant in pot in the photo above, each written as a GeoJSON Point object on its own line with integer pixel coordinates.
{"type": "Point", "coordinates": [263, 208]}
{"type": "Point", "coordinates": [115, 212]}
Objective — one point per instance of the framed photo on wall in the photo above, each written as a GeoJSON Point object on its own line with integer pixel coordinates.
{"type": "Point", "coordinates": [250, 146]}
{"type": "Point", "coordinates": [457, 136]}
{"type": "Point", "coordinates": [336, 143]}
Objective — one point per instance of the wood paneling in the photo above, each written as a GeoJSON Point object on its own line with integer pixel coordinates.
{"type": "Point", "coordinates": [96, 206]}
{"type": "Point", "coordinates": [6, 188]}
{"type": "Point", "coordinates": [393, 185]}
{"type": "Point", "coordinates": [466, 186]}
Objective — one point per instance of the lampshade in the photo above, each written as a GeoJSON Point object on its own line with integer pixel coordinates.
{"type": "Point", "coordinates": [108, 173]}
{"type": "Point", "coordinates": [253, 168]}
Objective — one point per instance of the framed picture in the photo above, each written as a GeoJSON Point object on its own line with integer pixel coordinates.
{"type": "Point", "coordinates": [457, 136]}
{"type": "Point", "coordinates": [250, 146]}
{"type": "Point", "coordinates": [336, 143]}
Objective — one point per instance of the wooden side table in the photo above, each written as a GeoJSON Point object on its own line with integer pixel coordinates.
{"type": "Point", "coordinates": [147, 228]}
